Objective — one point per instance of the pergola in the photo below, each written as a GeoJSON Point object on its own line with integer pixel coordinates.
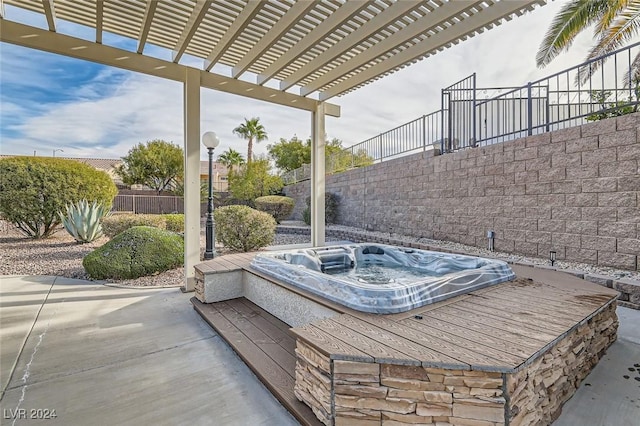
{"type": "Point", "coordinates": [294, 53]}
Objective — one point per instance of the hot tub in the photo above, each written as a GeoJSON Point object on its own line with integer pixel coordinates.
{"type": "Point", "coordinates": [379, 278]}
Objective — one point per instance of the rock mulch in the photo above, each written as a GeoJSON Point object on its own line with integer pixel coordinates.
{"type": "Point", "coordinates": [60, 255]}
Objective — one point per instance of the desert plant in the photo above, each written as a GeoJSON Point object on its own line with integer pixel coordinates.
{"type": "Point", "coordinates": [115, 224]}
{"type": "Point", "coordinates": [174, 222]}
{"type": "Point", "coordinates": [82, 220]}
{"type": "Point", "coordinates": [242, 228]}
{"type": "Point", "coordinates": [330, 209]}
{"type": "Point", "coordinates": [33, 190]}
{"type": "Point", "coordinates": [276, 205]}
{"type": "Point", "coordinates": [136, 252]}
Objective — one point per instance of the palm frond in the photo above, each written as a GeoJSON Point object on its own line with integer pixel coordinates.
{"type": "Point", "coordinates": [632, 76]}
{"type": "Point", "coordinates": [626, 26]}
{"type": "Point", "coordinates": [615, 7]}
{"type": "Point", "coordinates": [574, 17]}
{"type": "Point", "coordinates": [619, 31]}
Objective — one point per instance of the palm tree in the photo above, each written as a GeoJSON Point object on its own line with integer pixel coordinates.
{"type": "Point", "coordinates": [231, 158]}
{"type": "Point", "coordinates": [616, 22]}
{"type": "Point", "coordinates": [251, 130]}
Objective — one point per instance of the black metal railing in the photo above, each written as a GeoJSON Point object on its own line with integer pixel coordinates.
{"type": "Point", "coordinates": [589, 91]}
{"type": "Point", "coordinates": [458, 115]}
{"type": "Point", "coordinates": [603, 87]}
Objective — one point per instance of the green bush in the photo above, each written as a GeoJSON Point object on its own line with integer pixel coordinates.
{"type": "Point", "coordinates": [115, 224]}
{"type": "Point", "coordinates": [174, 222]}
{"type": "Point", "coordinates": [33, 190]}
{"type": "Point", "coordinates": [253, 181]}
{"type": "Point", "coordinates": [330, 209]}
{"type": "Point", "coordinates": [276, 205]}
{"type": "Point", "coordinates": [242, 228]}
{"type": "Point", "coordinates": [136, 252]}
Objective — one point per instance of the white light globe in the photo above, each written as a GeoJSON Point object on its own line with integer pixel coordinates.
{"type": "Point", "coordinates": [210, 140]}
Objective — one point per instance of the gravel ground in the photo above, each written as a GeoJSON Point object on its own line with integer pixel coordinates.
{"type": "Point", "coordinates": [60, 255]}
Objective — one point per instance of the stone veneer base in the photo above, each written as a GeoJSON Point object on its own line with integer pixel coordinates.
{"type": "Point", "coordinates": [367, 394]}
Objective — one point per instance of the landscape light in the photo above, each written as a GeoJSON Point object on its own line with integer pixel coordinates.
{"type": "Point", "coordinates": [211, 141]}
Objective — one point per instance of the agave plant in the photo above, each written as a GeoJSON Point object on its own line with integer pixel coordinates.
{"type": "Point", "coordinates": [82, 220]}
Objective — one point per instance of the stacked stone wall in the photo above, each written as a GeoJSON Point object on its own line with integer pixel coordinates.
{"type": "Point", "coordinates": [537, 393]}
{"type": "Point", "coordinates": [313, 382]}
{"type": "Point", "coordinates": [575, 191]}
{"type": "Point", "coordinates": [349, 393]}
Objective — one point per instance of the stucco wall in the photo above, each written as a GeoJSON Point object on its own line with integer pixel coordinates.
{"type": "Point", "coordinates": [573, 190]}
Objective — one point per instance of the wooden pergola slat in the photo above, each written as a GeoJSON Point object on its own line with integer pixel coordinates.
{"type": "Point", "coordinates": [319, 49]}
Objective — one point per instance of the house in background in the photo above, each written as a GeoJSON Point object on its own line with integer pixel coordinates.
{"type": "Point", "coordinates": [220, 175]}
{"type": "Point", "coordinates": [107, 165]}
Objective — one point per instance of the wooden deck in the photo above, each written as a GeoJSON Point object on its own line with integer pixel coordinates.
{"type": "Point", "coordinates": [264, 344]}
{"type": "Point", "coordinates": [500, 328]}
{"type": "Point", "coordinates": [226, 263]}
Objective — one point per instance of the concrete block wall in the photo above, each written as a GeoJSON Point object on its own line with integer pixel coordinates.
{"type": "Point", "coordinates": [575, 191]}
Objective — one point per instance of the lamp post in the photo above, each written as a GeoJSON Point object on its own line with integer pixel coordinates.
{"type": "Point", "coordinates": [211, 141]}
{"type": "Point", "coordinates": [55, 150]}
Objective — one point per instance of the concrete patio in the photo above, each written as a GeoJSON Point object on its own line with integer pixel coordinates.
{"type": "Point", "coordinates": [143, 356]}
{"type": "Point", "coordinates": [105, 355]}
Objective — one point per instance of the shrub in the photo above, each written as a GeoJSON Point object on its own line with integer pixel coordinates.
{"type": "Point", "coordinates": [82, 220]}
{"type": "Point", "coordinates": [136, 252]}
{"type": "Point", "coordinates": [330, 209]}
{"type": "Point", "coordinates": [306, 215]}
{"type": "Point", "coordinates": [276, 205]}
{"type": "Point", "coordinates": [33, 190]}
{"type": "Point", "coordinates": [174, 222]}
{"type": "Point", "coordinates": [242, 228]}
{"type": "Point", "coordinates": [115, 224]}
{"type": "Point", "coordinates": [253, 181]}
{"type": "Point", "coordinates": [230, 201]}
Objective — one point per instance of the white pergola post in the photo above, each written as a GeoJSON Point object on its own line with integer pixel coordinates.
{"type": "Point", "coordinates": [191, 176]}
{"type": "Point", "coordinates": [317, 176]}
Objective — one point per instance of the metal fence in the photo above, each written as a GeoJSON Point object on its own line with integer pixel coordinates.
{"type": "Point", "coordinates": [600, 88]}
{"type": "Point", "coordinates": [603, 87]}
{"type": "Point", "coordinates": [458, 115]}
{"type": "Point", "coordinates": [417, 135]}
{"type": "Point", "coordinates": [298, 175]}
{"type": "Point", "coordinates": [151, 204]}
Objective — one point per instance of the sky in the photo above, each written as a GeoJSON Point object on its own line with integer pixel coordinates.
{"type": "Point", "coordinates": [50, 102]}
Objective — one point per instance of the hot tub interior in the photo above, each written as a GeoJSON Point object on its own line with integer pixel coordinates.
{"type": "Point", "coordinates": [381, 278]}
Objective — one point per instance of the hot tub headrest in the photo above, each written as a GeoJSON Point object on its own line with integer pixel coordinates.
{"type": "Point", "coordinates": [372, 250]}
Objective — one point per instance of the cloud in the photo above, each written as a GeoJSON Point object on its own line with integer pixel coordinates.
{"type": "Point", "coordinates": [51, 102]}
